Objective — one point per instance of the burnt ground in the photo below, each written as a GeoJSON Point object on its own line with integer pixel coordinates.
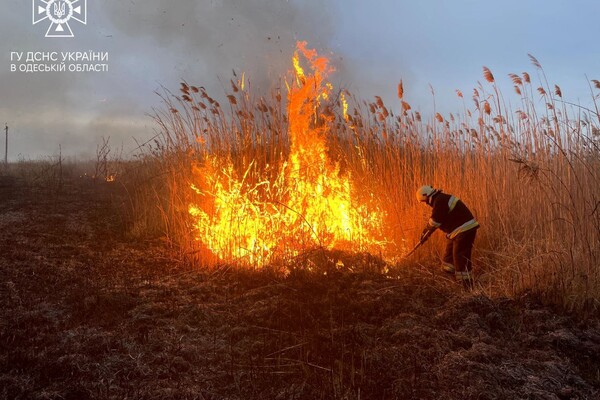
{"type": "Point", "coordinates": [88, 312]}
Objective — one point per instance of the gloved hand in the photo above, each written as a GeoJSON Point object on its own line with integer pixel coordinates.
{"type": "Point", "coordinates": [425, 234]}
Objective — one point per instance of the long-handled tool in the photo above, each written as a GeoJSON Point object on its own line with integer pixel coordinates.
{"type": "Point", "coordinates": [414, 249]}
{"type": "Point", "coordinates": [424, 236]}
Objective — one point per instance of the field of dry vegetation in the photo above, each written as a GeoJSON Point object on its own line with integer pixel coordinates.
{"type": "Point", "coordinates": [527, 165]}
{"type": "Point", "coordinates": [135, 279]}
{"type": "Point", "coordinates": [90, 311]}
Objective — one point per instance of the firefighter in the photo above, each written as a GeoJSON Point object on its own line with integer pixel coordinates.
{"type": "Point", "coordinates": [452, 217]}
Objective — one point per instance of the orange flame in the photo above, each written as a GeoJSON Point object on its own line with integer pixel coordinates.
{"type": "Point", "coordinates": [309, 203]}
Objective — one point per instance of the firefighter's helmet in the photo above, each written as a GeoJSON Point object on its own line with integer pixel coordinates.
{"type": "Point", "coordinates": [425, 192]}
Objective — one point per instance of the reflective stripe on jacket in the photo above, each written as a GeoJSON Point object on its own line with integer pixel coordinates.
{"type": "Point", "coordinates": [450, 215]}
{"type": "Point", "coordinates": [463, 228]}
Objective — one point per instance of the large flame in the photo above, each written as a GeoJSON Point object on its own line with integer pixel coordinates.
{"type": "Point", "coordinates": [309, 202]}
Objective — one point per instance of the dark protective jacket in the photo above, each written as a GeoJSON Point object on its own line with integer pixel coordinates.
{"type": "Point", "coordinates": [450, 215]}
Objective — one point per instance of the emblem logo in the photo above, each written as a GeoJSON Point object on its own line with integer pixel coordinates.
{"type": "Point", "coordinates": [59, 13]}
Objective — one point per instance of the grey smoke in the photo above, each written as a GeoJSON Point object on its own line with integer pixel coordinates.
{"type": "Point", "coordinates": [154, 44]}
{"type": "Point", "coordinates": [203, 40]}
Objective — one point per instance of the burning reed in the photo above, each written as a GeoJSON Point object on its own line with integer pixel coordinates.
{"type": "Point", "coordinates": [261, 179]}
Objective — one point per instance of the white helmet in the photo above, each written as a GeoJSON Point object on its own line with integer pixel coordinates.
{"type": "Point", "coordinates": [425, 192]}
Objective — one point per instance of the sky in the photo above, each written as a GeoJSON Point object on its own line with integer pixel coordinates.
{"type": "Point", "coordinates": [154, 44]}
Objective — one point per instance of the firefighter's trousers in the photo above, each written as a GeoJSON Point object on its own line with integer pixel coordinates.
{"type": "Point", "coordinates": [457, 257]}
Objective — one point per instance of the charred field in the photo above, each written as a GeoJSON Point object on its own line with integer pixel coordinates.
{"type": "Point", "coordinates": [88, 311]}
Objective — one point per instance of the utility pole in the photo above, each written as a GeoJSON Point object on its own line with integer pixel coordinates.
{"type": "Point", "coordinates": [6, 146]}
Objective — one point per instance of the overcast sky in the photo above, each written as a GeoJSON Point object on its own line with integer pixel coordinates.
{"type": "Point", "coordinates": [373, 44]}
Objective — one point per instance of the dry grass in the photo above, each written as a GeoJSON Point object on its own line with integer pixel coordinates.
{"type": "Point", "coordinates": [529, 172]}
{"type": "Point", "coordinates": [88, 313]}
